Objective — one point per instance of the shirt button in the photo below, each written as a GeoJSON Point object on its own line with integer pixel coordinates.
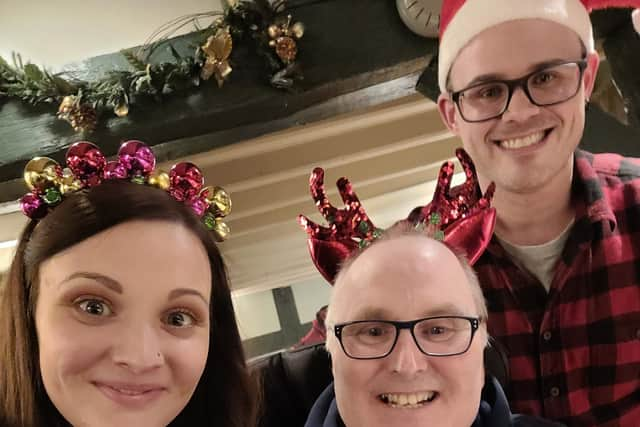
{"type": "Point", "coordinates": [546, 335]}
{"type": "Point", "coordinates": [555, 392]}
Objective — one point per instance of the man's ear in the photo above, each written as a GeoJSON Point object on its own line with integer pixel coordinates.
{"type": "Point", "coordinates": [447, 109]}
{"type": "Point", "coordinates": [589, 79]}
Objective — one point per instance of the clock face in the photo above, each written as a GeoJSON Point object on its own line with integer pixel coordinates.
{"type": "Point", "coordinates": [421, 16]}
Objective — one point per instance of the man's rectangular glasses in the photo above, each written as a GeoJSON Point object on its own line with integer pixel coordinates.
{"type": "Point", "coordinates": [434, 336]}
{"type": "Point", "coordinates": [544, 87]}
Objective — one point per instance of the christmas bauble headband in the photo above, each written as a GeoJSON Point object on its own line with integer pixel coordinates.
{"type": "Point", "coordinates": [87, 167]}
{"type": "Point", "coordinates": [460, 216]}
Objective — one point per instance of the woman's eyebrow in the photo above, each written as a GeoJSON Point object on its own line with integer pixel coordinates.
{"type": "Point", "coordinates": [106, 281]}
{"type": "Point", "coordinates": [175, 293]}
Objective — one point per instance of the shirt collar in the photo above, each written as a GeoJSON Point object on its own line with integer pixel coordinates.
{"type": "Point", "coordinates": [586, 182]}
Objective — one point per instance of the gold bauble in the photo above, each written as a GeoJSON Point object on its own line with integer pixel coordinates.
{"type": "Point", "coordinates": [41, 173]}
{"type": "Point", "coordinates": [221, 230]}
{"type": "Point", "coordinates": [67, 176]}
{"type": "Point", "coordinates": [218, 199]}
{"type": "Point", "coordinates": [297, 30]}
{"type": "Point", "coordinates": [51, 172]}
{"type": "Point", "coordinates": [274, 31]}
{"type": "Point", "coordinates": [221, 201]}
{"type": "Point", "coordinates": [70, 187]}
{"type": "Point", "coordinates": [159, 179]}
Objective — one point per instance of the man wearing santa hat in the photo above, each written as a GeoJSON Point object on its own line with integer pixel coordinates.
{"type": "Point", "coordinates": [562, 273]}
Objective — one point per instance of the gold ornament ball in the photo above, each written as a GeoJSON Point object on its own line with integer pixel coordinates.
{"type": "Point", "coordinates": [274, 31]}
{"type": "Point", "coordinates": [67, 176]}
{"type": "Point", "coordinates": [218, 199]}
{"type": "Point", "coordinates": [40, 173]}
{"type": "Point", "coordinates": [222, 201]}
{"type": "Point", "coordinates": [221, 230]}
{"type": "Point", "coordinates": [70, 187]}
{"type": "Point", "coordinates": [159, 179]}
{"type": "Point", "coordinates": [51, 173]}
{"type": "Point", "coordinates": [298, 30]}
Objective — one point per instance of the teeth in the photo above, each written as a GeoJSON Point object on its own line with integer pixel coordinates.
{"type": "Point", "coordinates": [408, 400]}
{"type": "Point", "coordinates": [522, 142]}
{"type": "Point", "coordinates": [128, 392]}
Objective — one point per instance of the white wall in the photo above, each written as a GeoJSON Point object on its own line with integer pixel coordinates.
{"type": "Point", "coordinates": [310, 296]}
{"type": "Point", "coordinates": [54, 33]}
{"type": "Point", "coordinates": [256, 314]}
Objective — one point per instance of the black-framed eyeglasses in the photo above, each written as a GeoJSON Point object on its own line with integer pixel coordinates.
{"type": "Point", "coordinates": [544, 87]}
{"type": "Point", "coordinates": [434, 336]}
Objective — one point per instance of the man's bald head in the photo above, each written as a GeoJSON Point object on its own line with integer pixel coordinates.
{"type": "Point", "coordinates": [406, 253]}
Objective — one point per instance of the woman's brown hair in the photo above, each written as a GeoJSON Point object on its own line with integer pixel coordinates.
{"type": "Point", "coordinates": [225, 393]}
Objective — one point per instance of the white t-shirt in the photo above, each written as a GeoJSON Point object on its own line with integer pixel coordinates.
{"type": "Point", "coordinates": [539, 260]}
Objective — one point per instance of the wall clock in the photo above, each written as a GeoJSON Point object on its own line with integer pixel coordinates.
{"type": "Point", "coordinates": [421, 16]}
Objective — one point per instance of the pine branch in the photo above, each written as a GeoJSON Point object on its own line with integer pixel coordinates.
{"type": "Point", "coordinates": [133, 60]}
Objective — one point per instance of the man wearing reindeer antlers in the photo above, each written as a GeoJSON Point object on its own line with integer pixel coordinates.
{"type": "Point", "coordinates": [406, 326]}
{"type": "Point", "coordinates": [562, 272]}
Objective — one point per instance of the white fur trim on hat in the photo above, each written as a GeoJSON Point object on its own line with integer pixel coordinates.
{"type": "Point", "coordinates": [475, 16]}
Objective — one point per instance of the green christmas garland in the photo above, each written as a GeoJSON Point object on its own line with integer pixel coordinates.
{"type": "Point", "coordinates": [262, 26]}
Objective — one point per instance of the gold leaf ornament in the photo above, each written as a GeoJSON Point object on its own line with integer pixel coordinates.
{"type": "Point", "coordinates": [217, 50]}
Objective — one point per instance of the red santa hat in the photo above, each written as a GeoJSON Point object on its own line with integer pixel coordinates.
{"type": "Point", "coordinates": [462, 20]}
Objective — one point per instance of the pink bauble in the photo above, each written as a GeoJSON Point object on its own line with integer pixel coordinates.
{"type": "Point", "coordinates": [115, 170]}
{"type": "Point", "coordinates": [87, 162]}
{"type": "Point", "coordinates": [137, 158]}
{"type": "Point", "coordinates": [33, 206]}
{"type": "Point", "coordinates": [186, 181]}
{"type": "Point", "coordinates": [199, 205]}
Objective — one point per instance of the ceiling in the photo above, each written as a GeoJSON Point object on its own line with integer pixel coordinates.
{"type": "Point", "coordinates": [391, 154]}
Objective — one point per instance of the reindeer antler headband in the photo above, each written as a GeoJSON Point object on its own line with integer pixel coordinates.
{"type": "Point", "coordinates": [462, 217]}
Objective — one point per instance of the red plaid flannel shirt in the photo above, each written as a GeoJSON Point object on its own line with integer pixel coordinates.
{"type": "Point", "coordinates": [574, 353]}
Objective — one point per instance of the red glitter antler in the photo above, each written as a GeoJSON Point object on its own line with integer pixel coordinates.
{"type": "Point", "coordinates": [460, 216]}
{"type": "Point", "coordinates": [348, 228]}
